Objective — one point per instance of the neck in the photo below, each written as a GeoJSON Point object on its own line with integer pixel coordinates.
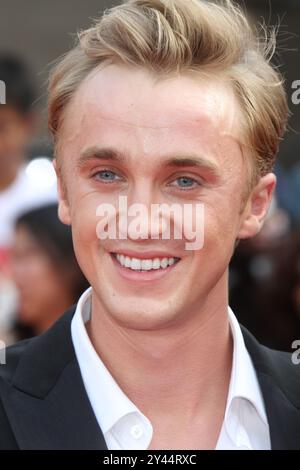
{"type": "Point", "coordinates": [159, 369]}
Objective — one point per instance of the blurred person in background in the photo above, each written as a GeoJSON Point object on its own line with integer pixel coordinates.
{"type": "Point", "coordinates": [251, 273]}
{"type": "Point", "coordinates": [265, 286]}
{"type": "Point", "coordinates": [281, 299]}
{"type": "Point", "coordinates": [288, 178]}
{"type": "Point", "coordinates": [45, 270]}
{"type": "Point", "coordinates": [18, 120]}
{"type": "Point", "coordinates": [18, 190]}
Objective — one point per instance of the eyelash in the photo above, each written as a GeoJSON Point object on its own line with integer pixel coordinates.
{"type": "Point", "coordinates": [103, 171]}
{"type": "Point", "coordinates": [169, 184]}
{"type": "Point", "coordinates": [188, 178]}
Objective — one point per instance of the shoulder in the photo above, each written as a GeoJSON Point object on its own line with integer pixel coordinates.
{"type": "Point", "coordinates": [7, 370]}
{"type": "Point", "coordinates": [32, 367]}
{"type": "Point", "coordinates": [279, 367]}
{"type": "Point", "coordinates": [11, 358]}
{"type": "Point", "coordinates": [36, 363]}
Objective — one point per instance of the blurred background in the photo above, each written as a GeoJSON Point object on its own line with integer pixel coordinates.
{"type": "Point", "coordinates": [39, 275]}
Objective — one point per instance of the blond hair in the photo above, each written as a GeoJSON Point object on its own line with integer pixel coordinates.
{"type": "Point", "coordinates": [167, 36]}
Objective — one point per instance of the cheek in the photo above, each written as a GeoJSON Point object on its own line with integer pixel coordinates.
{"type": "Point", "coordinates": [84, 219]}
{"type": "Point", "coordinates": [34, 301]}
{"type": "Point", "coordinates": [85, 215]}
{"type": "Point", "coordinates": [211, 262]}
{"type": "Point", "coordinates": [41, 273]}
{"type": "Point", "coordinates": [224, 207]}
{"type": "Point", "coordinates": [28, 273]}
{"type": "Point", "coordinates": [220, 231]}
{"type": "Point", "coordinates": [83, 223]}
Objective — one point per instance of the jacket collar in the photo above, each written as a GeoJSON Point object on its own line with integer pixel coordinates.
{"type": "Point", "coordinates": [46, 404]}
{"type": "Point", "coordinates": [279, 380]}
{"type": "Point", "coordinates": [48, 377]}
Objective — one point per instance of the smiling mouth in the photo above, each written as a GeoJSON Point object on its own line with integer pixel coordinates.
{"type": "Point", "coordinates": [145, 264]}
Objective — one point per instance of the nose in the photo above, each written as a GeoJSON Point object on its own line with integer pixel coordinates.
{"type": "Point", "coordinates": [142, 220]}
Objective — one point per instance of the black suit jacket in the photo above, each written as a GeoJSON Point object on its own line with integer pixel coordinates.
{"type": "Point", "coordinates": [43, 403]}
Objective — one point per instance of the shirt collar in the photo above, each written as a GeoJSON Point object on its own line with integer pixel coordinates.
{"type": "Point", "coordinates": [243, 382]}
{"type": "Point", "coordinates": [108, 400]}
{"type": "Point", "coordinates": [110, 403]}
{"type": "Point", "coordinates": [244, 402]}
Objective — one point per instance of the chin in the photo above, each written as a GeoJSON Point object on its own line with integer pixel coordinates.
{"type": "Point", "coordinates": [134, 315]}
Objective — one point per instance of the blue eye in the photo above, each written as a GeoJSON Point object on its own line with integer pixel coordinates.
{"type": "Point", "coordinates": [107, 176]}
{"type": "Point", "coordinates": [185, 182]}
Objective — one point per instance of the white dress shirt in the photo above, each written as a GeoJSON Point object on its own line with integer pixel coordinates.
{"type": "Point", "coordinates": [124, 426]}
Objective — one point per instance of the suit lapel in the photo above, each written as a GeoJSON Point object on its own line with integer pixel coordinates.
{"type": "Point", "coordinates": [48, 408]}
{"type": "Point", "coordinates": [46, 403]}
{"type": "Point", "coordinates": [279, 380]}
{"type": "Point", "coordinates": [283, 416]}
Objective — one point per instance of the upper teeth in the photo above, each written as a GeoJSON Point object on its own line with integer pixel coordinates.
{"type": "Point", "coordinates": [145, 264]}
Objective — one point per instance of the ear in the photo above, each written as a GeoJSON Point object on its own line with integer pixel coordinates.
{"type": "Point", "coordinates": [63, 204]}
{"type": "Point", "coordinates": [257, 206]}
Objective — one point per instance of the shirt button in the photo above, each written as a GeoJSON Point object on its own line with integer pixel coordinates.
{"type": "Point", "coordinates": [136, 431]}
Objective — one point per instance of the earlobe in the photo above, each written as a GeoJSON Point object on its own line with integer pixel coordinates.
{"type": "Point", "coordinates": [63, 204]}
{"type": "Point", "coordinates": [64, 212]}
{"type": "Point", "coordinates": [257, 207]}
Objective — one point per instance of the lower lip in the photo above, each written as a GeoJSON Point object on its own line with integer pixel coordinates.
{"type": "Point", "coordinates": [153, 275]}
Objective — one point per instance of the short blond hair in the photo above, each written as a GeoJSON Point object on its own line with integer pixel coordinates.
{"type": "Point", "coordinates": [167, 36]}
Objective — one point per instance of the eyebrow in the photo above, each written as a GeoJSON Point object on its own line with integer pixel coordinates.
{"type": "Point", "coordinates": [108, 153]}
{"type": "Point", "coordinates": [105, 153]}
{"type": "Point", "coordinates": [197, 161]}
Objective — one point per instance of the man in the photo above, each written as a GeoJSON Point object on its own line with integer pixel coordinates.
{"type": "Point", "coordinates": [161, 102]}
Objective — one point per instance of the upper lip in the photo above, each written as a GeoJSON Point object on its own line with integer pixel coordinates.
{"type": "Point", "coordinates": [145, 254]}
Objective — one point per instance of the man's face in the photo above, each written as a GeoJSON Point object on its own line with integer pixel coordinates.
{"type": "Point", "coordinates": [156, 128]}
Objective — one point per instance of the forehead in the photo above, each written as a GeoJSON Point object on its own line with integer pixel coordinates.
{"type": "Point", "coordinates": [122, 105]}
